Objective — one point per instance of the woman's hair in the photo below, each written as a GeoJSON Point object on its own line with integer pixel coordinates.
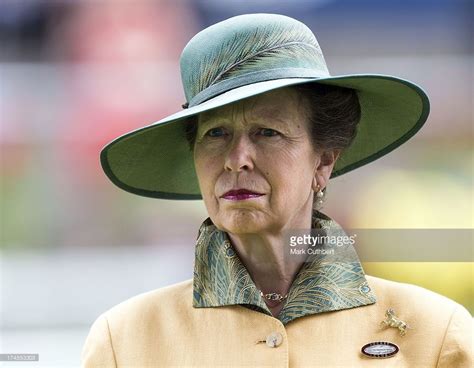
{"type": "Point", "coordinates": [333, 114]}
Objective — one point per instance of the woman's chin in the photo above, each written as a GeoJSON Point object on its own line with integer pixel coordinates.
{"type": "Point", "coordinates": [242, 221]}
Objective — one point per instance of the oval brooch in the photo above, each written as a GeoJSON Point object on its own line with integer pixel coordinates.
{"type": "Point", "coordinates": [380, 349]}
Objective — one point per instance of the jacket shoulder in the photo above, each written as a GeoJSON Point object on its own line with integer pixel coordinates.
{"type": "Point", "coordinates": [131, 322]}
{"type": "Point", "coordinates": [178, 295]}
{"type": "Point", "coordinates": [390, 292]}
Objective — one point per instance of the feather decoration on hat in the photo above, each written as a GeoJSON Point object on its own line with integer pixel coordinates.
{"type": "Point", "coordinates": [261, 48]}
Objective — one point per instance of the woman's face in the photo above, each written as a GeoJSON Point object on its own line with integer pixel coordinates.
{"type": "Point", "coordinates": [256, 165]}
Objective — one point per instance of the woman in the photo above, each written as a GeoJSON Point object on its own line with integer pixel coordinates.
{"type": "Point", "coordinates": [263, 130]}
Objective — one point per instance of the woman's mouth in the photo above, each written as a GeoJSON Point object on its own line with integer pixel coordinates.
{"type": "Point", "coordinates": [240, 194]}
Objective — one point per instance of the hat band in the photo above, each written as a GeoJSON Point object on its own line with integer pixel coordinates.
{"type": "Point", "coordinates": [254, 77]}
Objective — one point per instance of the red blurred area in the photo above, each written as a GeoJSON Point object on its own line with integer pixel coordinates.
{"type": "Point", "coordinates": [125, 54]}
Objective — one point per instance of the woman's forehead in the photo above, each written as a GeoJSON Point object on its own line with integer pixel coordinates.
{"type": "Point", "coordinates": [282, 104]}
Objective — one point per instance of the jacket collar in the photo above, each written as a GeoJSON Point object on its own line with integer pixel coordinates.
{"type": "Point", "coordinates": [322, 284]}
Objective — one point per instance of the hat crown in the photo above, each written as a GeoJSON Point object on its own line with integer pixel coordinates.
{"type": "Point", "coordinates": [246, 49]}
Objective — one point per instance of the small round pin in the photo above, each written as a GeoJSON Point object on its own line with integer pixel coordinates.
{"type": "Point", "coordinates": [380, 349]}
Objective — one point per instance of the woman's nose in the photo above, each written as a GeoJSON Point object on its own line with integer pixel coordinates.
{"type": "Point", "coordinates": [240, 154]}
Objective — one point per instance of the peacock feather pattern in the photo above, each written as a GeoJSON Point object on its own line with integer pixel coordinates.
{"type": "Point", "coordinates": [257, 49]}
{"type": "Point", "coordinates": [323, 284]}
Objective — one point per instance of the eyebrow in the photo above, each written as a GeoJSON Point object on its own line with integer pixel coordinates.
{"type": "Point", "coordinates": [209, 120]}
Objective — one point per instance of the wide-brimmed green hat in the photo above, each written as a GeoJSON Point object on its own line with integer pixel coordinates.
{"type": "Point", "coordinates": [245, 56]}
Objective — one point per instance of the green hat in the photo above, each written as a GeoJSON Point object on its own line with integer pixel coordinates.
{"type": "Point", "coordinates": [245, 56]}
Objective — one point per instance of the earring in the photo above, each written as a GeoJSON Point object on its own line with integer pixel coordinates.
{"type": "Point", "coordinates": [319, 197]}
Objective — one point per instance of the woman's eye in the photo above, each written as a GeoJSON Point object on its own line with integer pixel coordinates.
{"type": "Point", "coordinates": [215, 132]}
{"type": "Point", "coordinates": [268, 132]}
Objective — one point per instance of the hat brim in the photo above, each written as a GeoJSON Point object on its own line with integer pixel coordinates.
{"type": "Point", "coordinates": [156, 160]}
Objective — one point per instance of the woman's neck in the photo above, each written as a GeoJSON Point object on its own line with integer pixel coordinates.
{"type": "Point", "coordinates": [267, 259]}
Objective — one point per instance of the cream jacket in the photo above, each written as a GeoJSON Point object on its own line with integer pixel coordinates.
{"type": "Point", "coordinates": [162, 329]}
{"type": "Point", "coordinates": [219, 319]}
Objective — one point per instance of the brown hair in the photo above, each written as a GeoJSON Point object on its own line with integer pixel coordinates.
{"type": "Point", "coordinates": [333, 114]}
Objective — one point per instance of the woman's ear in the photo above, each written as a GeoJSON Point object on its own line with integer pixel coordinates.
{"type": "Point", "coordinates": [327, 160]}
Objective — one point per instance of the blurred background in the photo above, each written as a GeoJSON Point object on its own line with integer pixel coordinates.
{"type": "Point", "coordinates": [76, 74]}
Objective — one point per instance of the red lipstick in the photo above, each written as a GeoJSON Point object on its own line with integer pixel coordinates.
{"type": "Point", "coordinates": [240, 194]}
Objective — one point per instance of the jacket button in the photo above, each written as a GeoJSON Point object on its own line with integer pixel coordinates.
{"type": "Point", "coordinates": [274, 339]}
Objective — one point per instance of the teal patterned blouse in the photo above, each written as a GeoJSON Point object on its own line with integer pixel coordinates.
{"type": "Point", "coordinates": [323, 284]}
